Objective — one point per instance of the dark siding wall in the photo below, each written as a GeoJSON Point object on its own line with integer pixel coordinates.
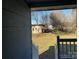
{"type": "Point", "coordinates": [16, 42]}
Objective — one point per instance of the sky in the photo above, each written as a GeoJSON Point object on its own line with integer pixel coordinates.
{"type": "Point", "coordinates": [39, 15]}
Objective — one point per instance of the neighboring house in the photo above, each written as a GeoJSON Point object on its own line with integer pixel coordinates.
{"type": "Point", "coordinates": [38, 28]}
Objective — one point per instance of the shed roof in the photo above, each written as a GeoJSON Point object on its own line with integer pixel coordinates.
{"type": "Point", "coordinates": [38, 25]}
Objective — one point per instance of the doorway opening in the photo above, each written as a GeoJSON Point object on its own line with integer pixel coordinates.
{"type": "Point", "coordinates": [47, 25]}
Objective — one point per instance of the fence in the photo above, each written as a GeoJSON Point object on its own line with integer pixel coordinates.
{"type": "Point", "coordinates": [67, 48]}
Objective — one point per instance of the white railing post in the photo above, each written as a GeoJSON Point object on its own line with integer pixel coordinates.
{"type": "Point", "coordinates": [35, 54]}
{"type": "Point", "coordinates": [56, 52]}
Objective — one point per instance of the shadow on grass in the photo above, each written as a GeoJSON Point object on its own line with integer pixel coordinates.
{"type": "Point", "coordinates": [49, 54]}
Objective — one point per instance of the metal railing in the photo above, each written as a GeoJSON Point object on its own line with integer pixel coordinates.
{"type": "Point", "coordinates": [67, 48]}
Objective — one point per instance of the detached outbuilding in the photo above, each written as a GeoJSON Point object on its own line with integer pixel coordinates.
{"type": "Point", "coordinates": [38, 28]}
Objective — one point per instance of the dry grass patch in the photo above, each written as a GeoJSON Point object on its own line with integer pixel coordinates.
{"type": "Point", "coordinates": [45, 40]}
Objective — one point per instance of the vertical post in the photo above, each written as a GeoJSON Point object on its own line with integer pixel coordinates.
{"type": "Point", "coordinates": [58, 47]}
{"type": "Point", "coordinates": [75, 49]}
{"type": "Point", "coordinates": [56, 52]}
{"type": "Point", "coordinates": [66, 48]}
{"type": "Point", "coordinates": [63, 48]}
{"type": "Point", "coordinates": [70, 49]}
{"type": "Point", "coordinates": [57, 38]}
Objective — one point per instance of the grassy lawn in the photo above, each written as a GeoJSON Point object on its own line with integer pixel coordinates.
{"type": "Point", "coordinates": [45, 40]}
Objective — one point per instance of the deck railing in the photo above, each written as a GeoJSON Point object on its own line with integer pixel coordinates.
{"type": "Point", "coordinates": [67, 48]}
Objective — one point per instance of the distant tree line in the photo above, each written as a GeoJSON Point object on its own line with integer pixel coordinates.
{"type": "Point", "coordinates": [63, 23]}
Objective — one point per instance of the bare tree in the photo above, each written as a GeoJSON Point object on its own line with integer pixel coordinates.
{"type": "Point", "coordinates": [57, 20]}
{"type": "Point", "coordinates": [74, 20]}
{"type": "Point", "coordinates": [44, 19]}
{"type": "Point", "coordinates": [35, 17]}
{"type": "Point", "coordinates": [63, 22]}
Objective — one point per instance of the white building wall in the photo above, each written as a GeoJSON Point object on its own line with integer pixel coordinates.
{"type": "Point", "coordinates": [37, 29]}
